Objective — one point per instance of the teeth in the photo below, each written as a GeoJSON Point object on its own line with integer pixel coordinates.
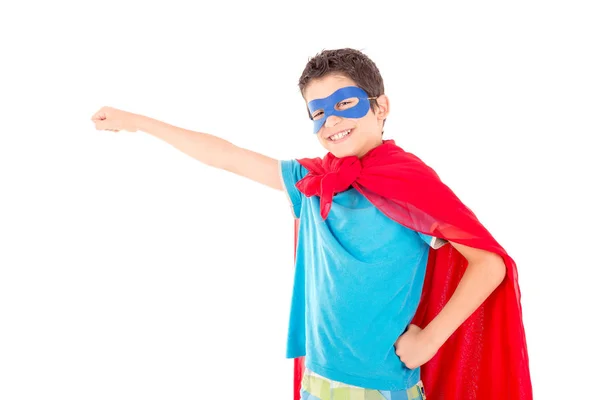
{"type": "Point", "coordinates": [338, 136]}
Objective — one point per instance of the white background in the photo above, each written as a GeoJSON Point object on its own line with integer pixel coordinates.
{"type": "Point", "coordinates": [129, 270]}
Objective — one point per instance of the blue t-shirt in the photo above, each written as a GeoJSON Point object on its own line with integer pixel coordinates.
{"type": "Point", "coordinates": [357, 285]}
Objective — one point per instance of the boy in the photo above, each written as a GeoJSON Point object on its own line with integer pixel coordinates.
{"type": "Point", "coordinates": [390, 266]}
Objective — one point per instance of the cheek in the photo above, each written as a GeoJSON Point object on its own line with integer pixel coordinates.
{"type": "Point", "coordinates": [369, 123]}
{"type": "Point", "coordinates": [321, 140]}
{"type": "Point", "coordinates": [369, 119]}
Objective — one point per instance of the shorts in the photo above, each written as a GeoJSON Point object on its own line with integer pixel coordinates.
{"type": "Point", "coordinates": [316, 387]}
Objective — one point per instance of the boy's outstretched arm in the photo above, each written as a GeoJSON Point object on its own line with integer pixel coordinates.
{"type": "Point", "coordinates": [208, 149]}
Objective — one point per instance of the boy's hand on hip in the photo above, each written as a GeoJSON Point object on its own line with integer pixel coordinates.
{"type": "Point", "coordinates": [414, 348]}
{"type": "Point", "coordinates": [113, 119]}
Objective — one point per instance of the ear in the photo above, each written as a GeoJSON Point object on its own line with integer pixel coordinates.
{"type": "Point", "coordinates": [384, 107]}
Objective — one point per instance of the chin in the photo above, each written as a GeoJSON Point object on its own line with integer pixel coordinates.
{"type": "Point", "coordinates": [341, 152]}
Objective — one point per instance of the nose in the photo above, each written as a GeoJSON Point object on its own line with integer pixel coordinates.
{"type": "Point", "coordinates": [332, 120]}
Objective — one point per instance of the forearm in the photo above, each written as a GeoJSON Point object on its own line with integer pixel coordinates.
{"type": "Point", "coordinates": [206, 148]}
{"type": "Point", "coordinates": [481, 278]}
{"type": "Point", "coordinates": [214, 151]}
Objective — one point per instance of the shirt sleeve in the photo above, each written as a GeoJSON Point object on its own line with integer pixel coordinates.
{"type": "Point", "coordinates": [433, 241]}
{"type": "Point", "coordinates": [290, 172]}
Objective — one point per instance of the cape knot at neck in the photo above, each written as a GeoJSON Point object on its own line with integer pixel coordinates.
{"type": "Point", "coordinates": [342, 175]}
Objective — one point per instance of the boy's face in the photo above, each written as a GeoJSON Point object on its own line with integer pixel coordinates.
{"type": "Point", "coordinates": [364, 132]}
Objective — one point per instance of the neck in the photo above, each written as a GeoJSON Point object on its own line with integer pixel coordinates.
{"type": "Point", "coordinates": [369, 147]}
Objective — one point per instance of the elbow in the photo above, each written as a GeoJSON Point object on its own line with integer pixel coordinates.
{"type": "Point", "coordinates": [492, 269]}
{"type": "Point", "coordinates": [497, 269]}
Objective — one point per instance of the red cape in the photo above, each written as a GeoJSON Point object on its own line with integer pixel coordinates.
{"type": "Point", "coordinates": [486, 358]}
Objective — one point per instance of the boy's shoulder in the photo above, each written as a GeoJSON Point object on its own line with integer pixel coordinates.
{"type": "Point", "coordinates": [290, 172]}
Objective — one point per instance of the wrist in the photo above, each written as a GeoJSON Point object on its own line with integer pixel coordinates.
{"type": "Point", "coordinates": [138, 122]}
{"type": "Point", "coordinates": [433, 336]}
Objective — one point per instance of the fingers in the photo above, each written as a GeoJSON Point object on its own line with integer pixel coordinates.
{"type": "Point", "coordinates": [99, 115]}
{"type": "Point", "coordinates": [102, 113]}
{"type": "Point", "coordinates": [103, 125]}
{"type": "Point", "coordinates": [398, 348]}
{"type": "Point", "coordinates": [100, 118]}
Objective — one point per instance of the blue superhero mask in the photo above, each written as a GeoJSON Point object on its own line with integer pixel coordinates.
{"type": "Point", "coordinates": [327, 106]}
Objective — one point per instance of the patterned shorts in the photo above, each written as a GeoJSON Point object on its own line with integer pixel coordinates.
{"type": "Point", "coordinates": [316, 387]}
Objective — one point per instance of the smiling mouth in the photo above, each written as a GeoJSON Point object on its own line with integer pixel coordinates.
{"type": "Point", "coordinates": [340, 135]}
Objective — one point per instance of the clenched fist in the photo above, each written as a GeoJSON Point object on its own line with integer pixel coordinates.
{"type": "Point", "coordinates": [413, 348]}
{"type": "Point", "coordinates": [112, 119]}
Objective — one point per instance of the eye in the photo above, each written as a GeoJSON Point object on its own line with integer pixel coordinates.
{"type": "Point", "coordinates": [346, 103]}
{"type": "Point", "coordinates": [317, 114]}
